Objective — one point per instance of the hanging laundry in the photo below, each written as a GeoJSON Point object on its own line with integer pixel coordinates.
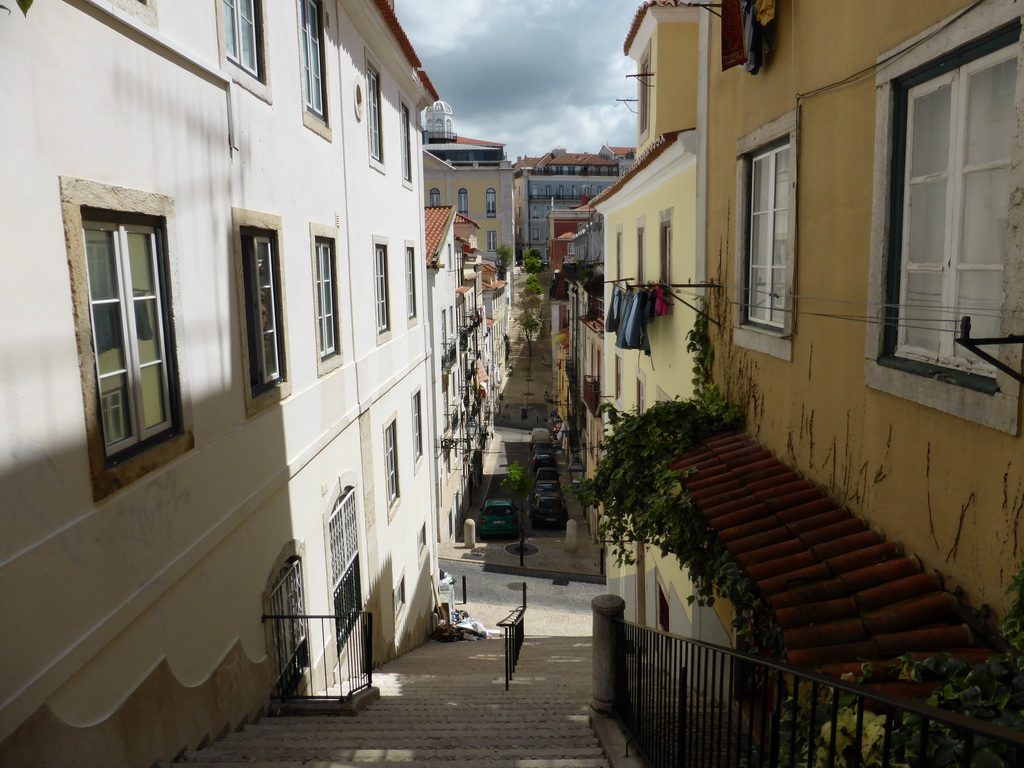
{"type": "Point", "coordinates": [630, 326]}
{"type": "Point", "coordinates": [611, 322]}
{"type": "Point", "coordinates": [765, 11]}
{"type": "Point", "coordinates": [660, 305]}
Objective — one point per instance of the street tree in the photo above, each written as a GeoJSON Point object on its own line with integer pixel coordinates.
{"type": "Point", "coordinates": [531, 262]}
{"type": "Point", "coordinates": [529, 321]}
{"type": "Point", "coordinates": [505, 255]}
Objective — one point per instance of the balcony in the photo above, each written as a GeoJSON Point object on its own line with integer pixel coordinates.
{"type": "Point", "coordinates": [592, 394]}
{"type": "Point", "coordinates": [449, 353]}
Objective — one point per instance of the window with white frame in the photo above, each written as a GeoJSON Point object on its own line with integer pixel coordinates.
{"type": "Point", "coordinates": [391, 461]}
{"type": "Point", "coordinates": [400, 595]}
{"type": "Point", "coordinates": [421, 539]}
{"type": "Point", "coordinates": [263, 311]}
{"type": "Point", "coordinates": [644, 82]}
{"type": "Point", "coordinates": [410, 280]}
{"type": "Point", "coordinates": [665, 252]}
{"type": "Point", "coordinates": [326, 305]}
{"type": "Point", "coordinates": [312, 57]}
{"type": "Point", "coordinates": [492, 240]}
{"type": "Point", "coordinates": [374, 115]}
{"type": "Point", "coordinates": [128, 301]}
{"type": "Point", "coordinates": [380, 283]}
{"type": "Point", "coordinates": [462, 201]}
{"type": "Point", "coordinates": [417, 424]}
{"type": "Point", "coordinates": [491, 202]}
{"type": "Point", "coordinates": [406, 145]}
{"type": "Point", "coordinates": [640, 234]}
{"type": "Point", "coordinates": [952, 185]}
{"type": "Point", "coordinates": [242, 33]}
{"type": "Point", "coordinates": [435, 196]}
{"type": "Point", "coordinates": [768, 236]}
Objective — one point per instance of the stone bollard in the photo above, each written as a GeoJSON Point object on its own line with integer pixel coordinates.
{"type": "Point", "coordinates": [571, 536]}
{"type": "Point", "coordinates": [469, 534]}
{"type": "Point", "coordinates": [606, 608]}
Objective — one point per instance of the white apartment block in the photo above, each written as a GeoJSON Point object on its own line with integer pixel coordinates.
{"type": "Point", "coordinates": [216, 390]}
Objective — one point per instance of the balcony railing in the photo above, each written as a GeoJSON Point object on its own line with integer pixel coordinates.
{"type": "Point", "coordinates": [449, 354]}
{"type": "Point", "coordinates": [592, 394]}
{"type": "Point", "coordinates": [686, 702]}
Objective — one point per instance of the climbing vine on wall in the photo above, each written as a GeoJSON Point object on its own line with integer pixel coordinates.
{"type": "Point", "coordinates": [644, 500]}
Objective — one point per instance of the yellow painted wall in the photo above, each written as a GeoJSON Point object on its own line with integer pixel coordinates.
{"type": "Point", "coordinates": [672, 89]}
{"type": "Point", "coordinates": [950, 490]}
{"type": "Point", "coordinates": [666, 368]}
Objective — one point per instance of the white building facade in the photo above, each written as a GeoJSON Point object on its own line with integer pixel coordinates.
{"type": "Point", "coordinates": [215, 305]}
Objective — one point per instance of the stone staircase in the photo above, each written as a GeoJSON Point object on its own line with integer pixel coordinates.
{"type": "Point", "coordinates": [444, 703]}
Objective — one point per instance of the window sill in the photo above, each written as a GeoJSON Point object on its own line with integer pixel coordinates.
{"type": "Point", "coordinates": [378, 165]}
{"type": "Point", "coordinates": [993, 404]}
{"type": "Point", "coordinates": [261, 401]}
{"type": "Point", "coordinates": [317, 125]}
{"type": "Point", "coordinates": [245, 80]}
{"type": "Point", "coordinates": [764, 341]}
{"type": "Point", "coordinates": [106, 480]}
{"type": "Point", "coordinates": [383, 337]}
{"type": "Point", "coordinates": [326, 365]}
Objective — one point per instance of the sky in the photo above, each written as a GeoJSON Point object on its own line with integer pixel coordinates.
{"type": "Point", "coordinates": [531, 74]}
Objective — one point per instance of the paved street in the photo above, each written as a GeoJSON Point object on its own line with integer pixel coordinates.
{"type": "Point", "coordinates": [557, 603]}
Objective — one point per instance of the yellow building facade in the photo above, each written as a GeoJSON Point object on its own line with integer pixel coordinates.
{"type": "Point", "coordinates": [650, 225]}
{"type": "Point", "coordinates": [860, 201]}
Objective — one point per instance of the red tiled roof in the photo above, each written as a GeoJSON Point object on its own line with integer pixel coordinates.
{"type": "Point", "coordinates": [462, 289]}
{"type": "Point", "coordinates": [437, 220]}
{"type": "Point", "coordinates": [841, 594]}
{"type": "Point", "coordinates": [461, 218]}
{"type": "Point", "coordinates": [428, 85]}
{"type": "Point", "coordinates": [639, 18]}
{"type": "Point", "coordinates": [622, 150]}
{"type": "Point", "coordinates": [465, 140]}
{"type": "Point", "coordinates": [656, 149]}
{"type": "Point", "coordinates": [574, 158]}
{"type": "Point", "coordinates": [396, 29]}
{"type": "Point", "coordinates": [566, 236]}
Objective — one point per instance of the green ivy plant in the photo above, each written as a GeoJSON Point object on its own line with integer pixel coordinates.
{"type": "Point", "coordinates": [23, 4]}
{"type": "Point", "coordinates": [1013, 623]}
{"type": "Point", "coordinates": [644, 501]}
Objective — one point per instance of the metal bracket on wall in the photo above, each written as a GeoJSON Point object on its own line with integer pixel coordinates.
{"type": "Point", "coordinates": [965, 340]}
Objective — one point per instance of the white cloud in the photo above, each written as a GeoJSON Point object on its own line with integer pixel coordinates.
{"type": "Point", "coordinates": [533, 74]}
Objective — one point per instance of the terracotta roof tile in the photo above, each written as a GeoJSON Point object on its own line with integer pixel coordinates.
{"type": "Point", "coordinates": [467, 140]}
{"type": "Point", "coordinates": [461, 218]}
{"type": "Point", "coordinates": [653, 151]}
{"type": "Point", "coordinates": [840, 593]}
{"type": "Point", "coordinates": [428, 84]}
{"type": "Point", "coordinates": [437, 220]}
{"type": "Point", "coordinates": [396, 29]}
{"type": "Point", "coordinates": [638, 18]}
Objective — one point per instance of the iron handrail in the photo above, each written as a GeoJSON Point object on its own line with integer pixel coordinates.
{"type": "Point", "coordinates": [688, 701]}
{"type": "Point", "coordinates": [514, 634]}
{"type": "Point", "coordinates": [343, 662]}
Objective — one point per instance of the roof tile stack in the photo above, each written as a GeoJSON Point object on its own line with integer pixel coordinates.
{"type": "Point", "coordinates": [841, 594]}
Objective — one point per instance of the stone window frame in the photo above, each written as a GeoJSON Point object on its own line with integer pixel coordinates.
{"type": "Point", "coordinates": [106, 475]}
{"type": "Point", "coordinates": [759, 338]}
{"type": "Point", "coordinates": [996, 407]}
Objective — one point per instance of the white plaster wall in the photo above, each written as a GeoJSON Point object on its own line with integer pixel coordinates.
{"type": "Point", "coordinates": [174, 565]}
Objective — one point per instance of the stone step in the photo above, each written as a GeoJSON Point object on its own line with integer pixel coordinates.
{"type": "Point", "coordinates": [386, 754]}
{"type": "Point", "coordinates": [384, 727]}
{"type": "Point", "coordinates": [492, 761]}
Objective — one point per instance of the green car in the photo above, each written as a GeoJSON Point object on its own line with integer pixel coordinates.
{"type": "Point", "coordinates": [499, 517]}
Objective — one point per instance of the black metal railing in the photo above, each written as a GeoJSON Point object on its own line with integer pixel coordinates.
{"type": "Point", "coordinates": [449, 354]}
{"type": "Point", "coordinates": [686, 702]}
{"type": "Point", "coordinates": [514, 633]}
{"type": "Point", "coordinates": [342, 664]}
{"type": "Point", "coordinates": [592, 394]}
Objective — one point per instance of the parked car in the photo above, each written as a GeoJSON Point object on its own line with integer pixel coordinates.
{"type": "Point", "coordinates": [545, 487]}
{"type": "Point", "coordinates": [546, 473]}
{"type": "Point", "coordinates": [549, 509]}
{"type": "Point", "coordinates": [540, 433]}
{"type": "Point", "coordinates": [499, 517]}
{"type": "Point", "coordinates": [544, 460]}
{"type": "Point", "coordinates": [544, 446]}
